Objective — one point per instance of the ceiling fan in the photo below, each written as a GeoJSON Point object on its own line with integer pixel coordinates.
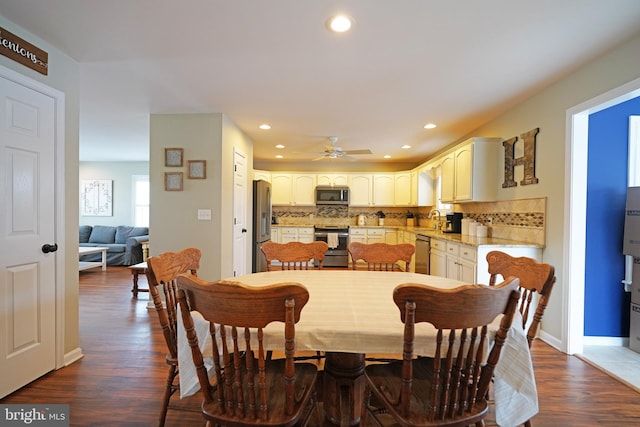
{"type": "Point", "coordinates": [334, 152]}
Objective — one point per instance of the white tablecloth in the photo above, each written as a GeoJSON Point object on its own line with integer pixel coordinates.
{"type": "Point", "coordinates": [353, 311]}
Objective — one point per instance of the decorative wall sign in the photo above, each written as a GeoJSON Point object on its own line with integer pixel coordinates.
{"type": "Point", "coordinates": [96, 197]}
{"type": "Point", "coordinates": [173, 181]}
{"type": "Point", "coordinates": [173, 157]}
{"type": "Point", "coordinates": [528, 159]}
{"type": "Point", "coordinates": [197, 169]}
{"type": "Point", "coordinates": [23, 52]}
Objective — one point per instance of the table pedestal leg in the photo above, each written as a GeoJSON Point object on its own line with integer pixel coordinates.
{"type": "Point", "coordinates": [343, 387]}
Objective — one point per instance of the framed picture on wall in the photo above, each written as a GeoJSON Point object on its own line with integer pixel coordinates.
{"type": "Point", "coordinates": [197, 169]}
{"type": "Point", "coordinates": [173, 157]}
{"type": "Point", "coordinates": [173, 181]}
{"type": "Point", "coordinates": [96, 197]}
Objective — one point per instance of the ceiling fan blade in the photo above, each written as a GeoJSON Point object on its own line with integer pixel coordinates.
{"type": "Point", "coordinates": [318, 158]}
{"type": "Point", "coordinates": [358, 152]}
{"type": "Point", "coordinates": [349, 158]}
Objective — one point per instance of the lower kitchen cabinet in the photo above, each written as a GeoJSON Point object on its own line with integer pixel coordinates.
{"type": "Point", "coordinates": [438, 258]}
{"type": "Point", "coordinates": [293, 234]}
{"type": "Point", "coordinates": [461, 262]}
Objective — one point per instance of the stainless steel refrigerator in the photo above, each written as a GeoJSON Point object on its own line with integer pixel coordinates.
{"type": "Point", "coordinates": [631, 248]}
{"type": "Point", "coordinates": [261, 223]}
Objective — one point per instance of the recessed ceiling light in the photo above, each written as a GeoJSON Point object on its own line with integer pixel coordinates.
{"type": "Point", "coordinates": [279, 146]}
{"type": "Point", "coordinates": [406, 146]}
{"type": "Point", "coordinates": [387, 156]}
{"type": "Point", "coordinates": [429, 126]}
{"type": "Point", "coordinates": [279, 156]}
{"type": "Point", "coordinates": [339, 23]}
{"type": "Point", "coordinates": [265, 126]}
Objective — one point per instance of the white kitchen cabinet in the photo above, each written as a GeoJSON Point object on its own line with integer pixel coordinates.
{"type": "Point", "coordinates": [376, 235]}
{"type": "Point", "coordinates": [438, 258]}
{"type": "Point", "coordinates": [360, 189]}
{"type": "Point", "coordinates": [470, 172]}
{"type": "Point", "coordinates": [461, 262]}
{"type": "Point", "coordinates": [275, 234]}
{"type": "Point", "coordinates": [263, 175]}
{"type": "Point", "coordinates": [404, 189]}
{"type": "Point", "coordinates": [281, 185]}
{"type": "Point", "coordinates": [410, 237]}
{"type": "Point", "coordinates": [293, 189]}
{"type": "Point", "coordinates": [305, 234]}
{"type": "Point", "coordinates": [304, 189]}
{"type": "Point", "coordinates": [390, 236]}
{"type": "Point", "coordinates": [384, 189]}
{"type": "Point", "coordinates": [357, 235]}
{"type": "Point", "coordinates": [295, 234]}
{"type": "Point", "coordinates": [332, 179]}
{"type": "Point", "coordinates": [288, 234]}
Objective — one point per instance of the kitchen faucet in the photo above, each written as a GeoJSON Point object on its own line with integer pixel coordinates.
{"type": "Point", "coordinates": [438, 224]}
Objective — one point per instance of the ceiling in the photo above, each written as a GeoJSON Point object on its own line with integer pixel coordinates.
{"type": "Point", "coordinates": [405, 63]}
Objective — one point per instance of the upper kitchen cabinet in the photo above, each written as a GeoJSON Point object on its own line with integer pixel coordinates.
{"type": "Point", "coordinates": [293, 189]}
{"type": "Point", "coordinates": [384, 189]}
{"type": "Point", "coordinates": [406, 192]}
{"type": "Point", "coordinates": [263, 175]}
{"type": "Point", "coordinates": [469, 173]}
{"type": "Point", "coordinates": [333, 179]}
{"type": "Point", "coordinates": [360, 189]}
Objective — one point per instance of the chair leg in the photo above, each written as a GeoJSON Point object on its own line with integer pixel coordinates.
{"type": "Point", "coordinates": [527, 423]}
{"type": "Point", "coordinates": [168, 391]}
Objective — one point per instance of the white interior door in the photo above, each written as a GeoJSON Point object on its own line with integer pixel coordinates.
{"type": "Point", "coordinates": [27, 222]}
{"type": "Point", "coordinates": [239, 214]}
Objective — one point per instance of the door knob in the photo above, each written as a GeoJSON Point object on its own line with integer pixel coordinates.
{"type": "Point", "coordinates": [244, 230]}
{"type": "Point", "coordinates": [46, 248]}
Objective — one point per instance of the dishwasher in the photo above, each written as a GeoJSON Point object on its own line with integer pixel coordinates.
{"type": "Point", "coordinates": [423, 249]}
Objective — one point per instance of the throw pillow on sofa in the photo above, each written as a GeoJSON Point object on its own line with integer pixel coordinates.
{"type": "Point", "coordinates": [85, 233]}
{"type": "Point", "coordinates": [103, 234]}
{"type": "Point", "coordinates": [123, 232]}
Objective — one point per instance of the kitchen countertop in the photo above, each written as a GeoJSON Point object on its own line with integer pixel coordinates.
{"type": "Point", "coordinates": [452, 237]}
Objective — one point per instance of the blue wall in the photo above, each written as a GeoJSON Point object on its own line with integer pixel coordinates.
{"type": "Point", "coordinates": [606, 303]}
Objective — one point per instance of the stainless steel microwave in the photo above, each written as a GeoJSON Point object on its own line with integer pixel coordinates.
{"type": "Point", "coordinates": [332, 195]}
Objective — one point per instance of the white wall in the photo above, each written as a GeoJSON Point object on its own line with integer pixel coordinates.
{"type": "Point", "coordinates": [64, 75]}
{"type": "Point", "coordinates": [121, 173]}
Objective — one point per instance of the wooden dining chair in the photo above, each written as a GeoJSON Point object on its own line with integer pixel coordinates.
{"type": "Point", "coordinates": [382, 256]}
{"type": "Point", "coordinates": [252, 390]}
{"type": "Point", "coordinates": [535, 278]}
{"type": "Point", "coordinates": [294, 255]}
{"type": "Point", "coordinates": [162, 271]}
{"type": "Point", "coordinates": [450, 386]}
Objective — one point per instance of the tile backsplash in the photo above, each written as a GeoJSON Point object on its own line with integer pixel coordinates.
{"type": "Point", "coordinates": [521, 220]}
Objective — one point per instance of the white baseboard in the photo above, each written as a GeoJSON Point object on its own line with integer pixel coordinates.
{"type": "Point", "coordinates": [73, 356]}
{"type": "Point", "coordinates": [551, 340]}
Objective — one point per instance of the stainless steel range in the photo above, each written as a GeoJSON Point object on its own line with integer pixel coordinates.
{"type": "Point", "coordinates": [337, 237]}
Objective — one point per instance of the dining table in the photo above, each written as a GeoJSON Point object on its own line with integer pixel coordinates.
{"type": "Point", "coordinates": [351, 313]}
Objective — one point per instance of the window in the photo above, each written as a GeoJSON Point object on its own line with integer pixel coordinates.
{"type": "Point", "coordinates": [140, 200]}
{"type": "Point", "coordinates": [442, 207]}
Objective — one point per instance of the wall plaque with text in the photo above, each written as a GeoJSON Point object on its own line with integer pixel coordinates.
{"type": "Point", "coordinates": [23, 52]}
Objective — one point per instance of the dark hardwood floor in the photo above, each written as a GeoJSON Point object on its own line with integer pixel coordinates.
{"type": "Point", "coordinates": [120, 379]}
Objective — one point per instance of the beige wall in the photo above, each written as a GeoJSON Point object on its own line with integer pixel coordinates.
{"type": "Point", "coordinates": [547, 111]}
{"type": "Point", "coordinates": [64, 75]}
{"type": "Point", "coordinates": [173, 219]}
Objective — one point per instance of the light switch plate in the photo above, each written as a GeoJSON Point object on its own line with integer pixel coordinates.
{"type": "Point", "coordinates": [204, 214]}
